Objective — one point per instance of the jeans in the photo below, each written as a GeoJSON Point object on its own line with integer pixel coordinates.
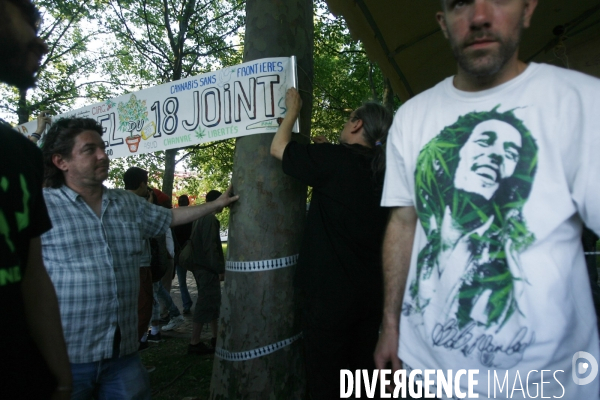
{"type": "Point", "coordinates": [161, 293]}
{"type": "Point", "coordinates": [186, 300]}
{"type": "Point", "coordinates": [111, 379]}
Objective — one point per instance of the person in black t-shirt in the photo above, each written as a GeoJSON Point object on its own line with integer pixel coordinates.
{"type": "Point", "coordinates": [182, 234]}
{"type": "Point", "coordinates": [33, 355]}
{"type": "Point", "coordinates": [339, 273]}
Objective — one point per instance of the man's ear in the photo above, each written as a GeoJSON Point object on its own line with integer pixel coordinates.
{"type": "Point", "coordinates": [59, 162]}
{"type": "Point", "coordinates": [357, 127]}
{"type": "Point", "coordinates": [530, 6]}
{"type": "Point", "coordinates": [441, 20]}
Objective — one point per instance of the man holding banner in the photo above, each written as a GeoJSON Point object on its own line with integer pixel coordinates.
{"type": "Point", "coordinates": [339, 274]}
{"type": "Point", "coordinates": [92, 256]}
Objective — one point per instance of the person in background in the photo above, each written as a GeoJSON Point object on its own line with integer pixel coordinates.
{"type": "Point", "coordinates": [339, 275]}
{"type": "Point", "coordinates": [164, 258]}
{"type": "Point", "coordinates": [92, 254]}
{"type": "Point", "coordinates": [136, 181]}
{"type": "Point", "coordinates": [167, 280]}
{"type": "Point", "coordinates": [210, 263]}
{"type": "Point", "coordinates": [182, 235]}
{"type": "Point", "coordinates": [43, 121]}
{"type": "Point", "coordinates": [34, 357]}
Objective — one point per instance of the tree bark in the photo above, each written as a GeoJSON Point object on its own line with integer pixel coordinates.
{"type": "Point", "coordinates": [388, 95]}
{"type": "Point", "coordinates": [177, 44]}
{"type": "Point", "coordinates": [22, 107]}
{"type": "Point", "coordinates": [266, 223]}
{"type": "Point", "coordinates": [374, 95]}
{"type": "Point", "coordinates": [169, 175]}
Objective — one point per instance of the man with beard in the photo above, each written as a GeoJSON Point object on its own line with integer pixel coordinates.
{"type": "Point", "coordinates": [92, 254]}
{"type": "Point", "coordinates": [32, 347]}
{"type": "Point", "coordinates": [474, 215]}
{"type": "Point", "coordinates": [490, 182]}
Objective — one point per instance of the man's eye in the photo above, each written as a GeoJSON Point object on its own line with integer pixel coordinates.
{"type": "Point", "coordinates": [483, 142]}
{"type": "Point", "coordinates": [512, 155]}
{"type": "Point", "coordinates": [458, 4]}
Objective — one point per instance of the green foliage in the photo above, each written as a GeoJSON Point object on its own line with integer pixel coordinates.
{"type": "Point", "coordinates": [214, 165]}
{"type": "Point", "coordinates": [162, 41]}
{"type": "Point", "coordinates": [65, 70]}
{"type": "Point", "coordinates": [101, 49]}
{"type": "Point", "coordinates": [344, 77]}
{"type": "Point", "coordinates": [159, 41]}
{"type": "Point", "coordinates": [205, 167]}
{"type": "Point", "coordinates": [152, 162]}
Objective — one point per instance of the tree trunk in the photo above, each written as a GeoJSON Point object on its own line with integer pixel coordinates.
{"type": "Point", "coordinates": [169, 175]}
{"type": "Point", "coordinates": [176, 46]}
{"type": "Point", "coordinates": [257, 309]}
{"type": "Point", "coordinates": [374, 95]}
{"type": "Point", "coordinates": [388, 95]}
{"type": "Point", "coordinates": [22, 107]}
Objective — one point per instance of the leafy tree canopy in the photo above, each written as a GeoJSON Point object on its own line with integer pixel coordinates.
{"type": "Point", "coordinates": [104, 48]}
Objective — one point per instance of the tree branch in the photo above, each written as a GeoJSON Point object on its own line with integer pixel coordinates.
{"type": "Point", "coordinates": [168, 26]}
{"type": "Point", "coordinates": [131, 37]}
{"type": "Point", "coordinates": [195, 148]}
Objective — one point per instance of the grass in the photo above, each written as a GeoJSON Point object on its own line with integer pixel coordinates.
{"type": "Point", "coordinates": [177, 375]}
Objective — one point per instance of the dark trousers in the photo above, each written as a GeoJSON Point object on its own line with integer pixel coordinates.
{"type": "Point", "coordinates": [24, 374]}
{"type": "Point", "coordinates": [145, 301]}
{"type": "Point", "coordinates": [338, 338]}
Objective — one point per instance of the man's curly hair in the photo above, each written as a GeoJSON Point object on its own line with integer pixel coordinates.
{"type": "Point", "coordinates": [60, 139]}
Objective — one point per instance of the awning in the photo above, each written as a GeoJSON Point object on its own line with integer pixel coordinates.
{"type": "Point", "coordinates": [403, 37]}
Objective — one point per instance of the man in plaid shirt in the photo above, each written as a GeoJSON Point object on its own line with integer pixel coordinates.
{"type": "Point", "coordinates": [92, 256]}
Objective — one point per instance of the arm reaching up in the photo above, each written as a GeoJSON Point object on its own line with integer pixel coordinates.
{"type": "Point", "coordinates": [293, 103]}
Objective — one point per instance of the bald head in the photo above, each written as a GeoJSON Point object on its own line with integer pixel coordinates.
{"type": "Point", "coordinates": [484, 36]}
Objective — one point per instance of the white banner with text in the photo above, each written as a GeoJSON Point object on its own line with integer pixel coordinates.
{"type": "Point", "coordinates": [236, 101]}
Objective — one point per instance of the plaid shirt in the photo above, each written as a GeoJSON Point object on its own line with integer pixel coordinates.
{"type": "Point", "coordinates": [94, 265]}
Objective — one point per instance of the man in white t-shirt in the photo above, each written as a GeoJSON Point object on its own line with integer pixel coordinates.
{"type": "Point", "coordinates": [491, 174]}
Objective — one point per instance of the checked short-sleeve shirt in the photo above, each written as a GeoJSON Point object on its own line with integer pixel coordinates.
{"type": "Point", "coordinates": [94, 265]}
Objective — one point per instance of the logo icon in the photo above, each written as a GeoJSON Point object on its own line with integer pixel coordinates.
{"type": "Point", "coordinates": [580, 367]}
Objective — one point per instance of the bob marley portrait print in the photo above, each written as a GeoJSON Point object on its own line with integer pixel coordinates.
{"type": "Point", "coordinates": [472, 181]}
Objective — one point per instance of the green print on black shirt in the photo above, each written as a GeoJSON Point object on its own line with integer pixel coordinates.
{"type": "Point", "coordinates": [13, 273]}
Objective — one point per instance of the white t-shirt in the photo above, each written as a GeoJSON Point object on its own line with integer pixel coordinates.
{"type": "Point", "coordinates": [501, 180]}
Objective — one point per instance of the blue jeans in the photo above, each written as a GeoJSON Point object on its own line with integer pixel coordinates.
{"type": "Point", "coordinates": [186, 300]}
{"type": "Point", "coordinates": [161, 293]}
{"type": "Point", "coordinates": [122, 378]}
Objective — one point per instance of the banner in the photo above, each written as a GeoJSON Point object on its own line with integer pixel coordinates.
{"type": "Point", "coordinates": [235, 101]}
